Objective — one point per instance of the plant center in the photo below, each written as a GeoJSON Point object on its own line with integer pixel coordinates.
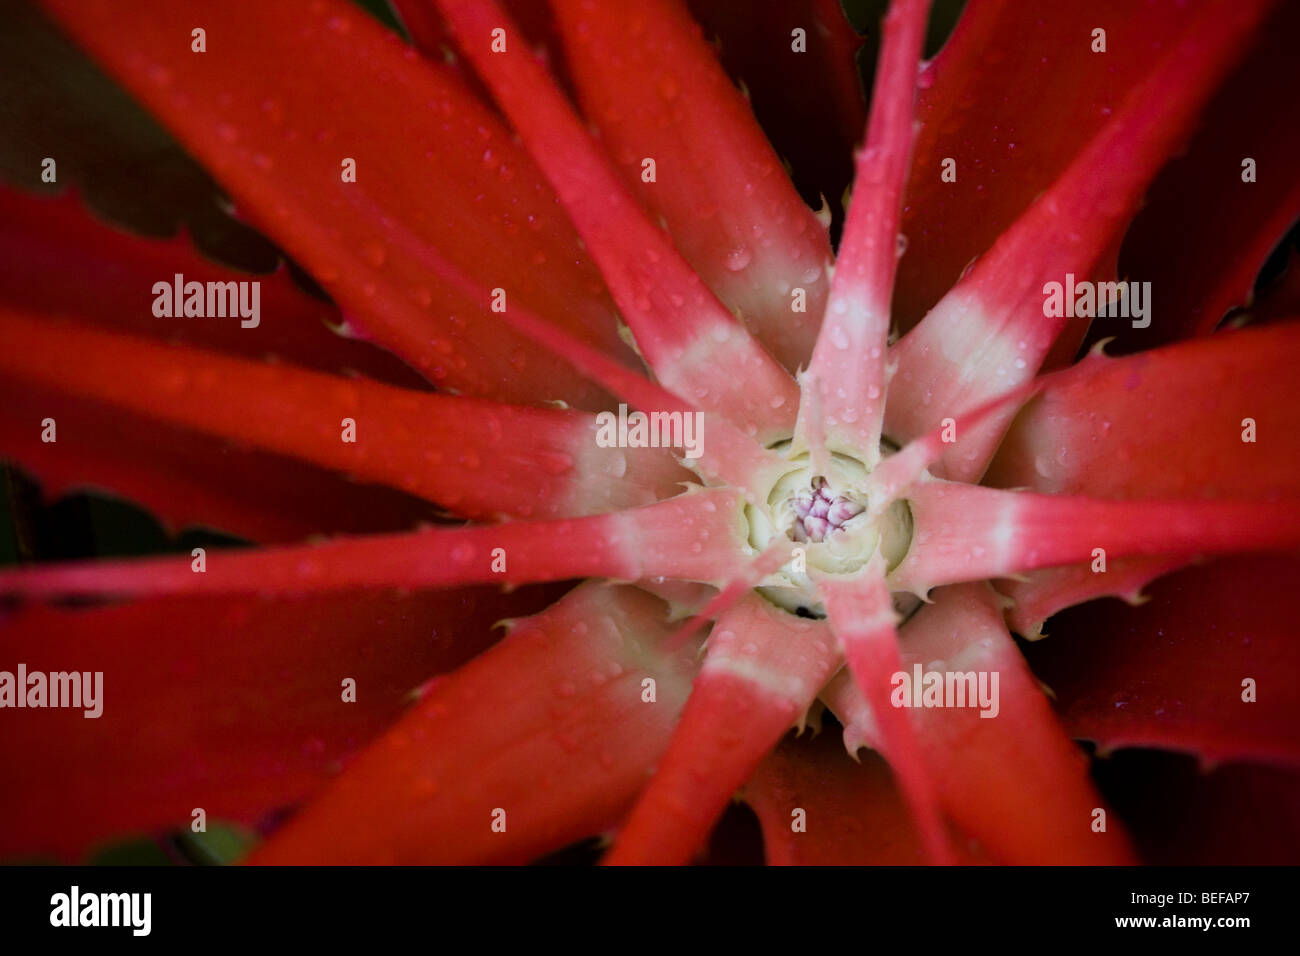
{"type": "Point", "coordinates": [827, 516]}
{"type": "Point", "coordinates": [819, 511]}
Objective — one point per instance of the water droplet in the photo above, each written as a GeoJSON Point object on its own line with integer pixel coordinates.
{"type": "Point", "coordinates": [273, 110]}
{"type": "Point", "coordinates": [738, 258]}
{"type": "Point", "coordinates": [555, 462]}
{"type": "Point", "coordinates": [616, 467]}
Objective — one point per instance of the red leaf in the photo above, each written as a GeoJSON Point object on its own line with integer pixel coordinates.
{"type": "Point", "coordinates": [1013, 97]}
{"type": "Point", "coordinates": [993, 330]}
{"type": "Point", "coordinates": [681, 329]}
{"type": "Point", "coordinates": [654, 89]}
{"type": "Point", "coordinates": [1119, 428]}
{"type": "Point", "coordinates": [1013, 781]}
{"type": "Point", "coordinates": [232, 706]}
{"type": "Point", "coordinates": [281, 99]}
{"type": "Point", "coordinates": [185, 478]}
{"type": "Point", "coordinates": [848, 369]}
{"type": "Point", "coordinates": [853, 813]}
{"type": "Point", "coordinates": [549, 727]}
{"type": "Point", "coordinates": [1203, 234]}
{"type": "Point", "coordinates": [44, 239]}
{"type": "Point", "coordinates": [544, 462]}
{"type": "Point", "coordinates": [696, 537]}
{"type": "Point", "coordinates": [1169, 673]}
{"type": "Point", "coordinates": [762, 671]}
{"type": "Point", "coordinates": [970, 533]}
{"type": "Point", "coordinates": [810, 103]}
{"type": "Point", "coordinates": [863, 618]}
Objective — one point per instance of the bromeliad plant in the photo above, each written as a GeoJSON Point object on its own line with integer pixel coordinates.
{"type": "Point", "coordinates": [878, 493]}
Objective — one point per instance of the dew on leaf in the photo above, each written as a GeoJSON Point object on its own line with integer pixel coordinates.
{"type": "Point", "coordinates": [738, 258]}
